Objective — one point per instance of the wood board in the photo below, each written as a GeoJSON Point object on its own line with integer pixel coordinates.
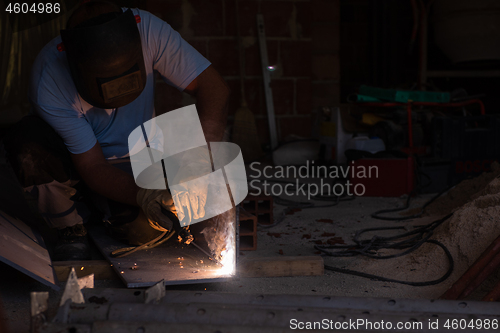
{"type": "Point", "coordinates": [282, 266]}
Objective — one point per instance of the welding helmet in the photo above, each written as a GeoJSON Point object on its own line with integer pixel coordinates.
{"type": "Point", "coordinates": [105, 60]}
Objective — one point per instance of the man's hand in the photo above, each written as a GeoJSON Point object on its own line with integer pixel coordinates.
{"type": "Point", "coordinates": [118, 185]}
{"type": "Point", "coordinates": [191, 188]}
{"type": "Point", "coordinates": [152, 202]}
{"type": "Point", "coordinates": [211, 93]}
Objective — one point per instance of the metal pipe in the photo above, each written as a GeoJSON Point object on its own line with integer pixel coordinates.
{"type": "Point", "coordinates": [493, 295]}
{"type": "Point", "coordinates": [323, 302]}
{"type": "Point", "coordinates": [452, 104]}
{"type": "Point", "coordinates": [244, 314]}
{"type": "Point", "coordinates": [481, 262]}
{"type": "Point", "coordinates": [410, 126]}
{"type": "Point", "coordinates": [483, 275]}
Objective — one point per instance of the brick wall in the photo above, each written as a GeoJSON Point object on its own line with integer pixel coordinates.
{"type": "Point", "coordinates": [302, 41]}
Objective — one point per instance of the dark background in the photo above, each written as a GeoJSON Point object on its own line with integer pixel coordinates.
{"type": "Point", "coordinates": [323, 49]}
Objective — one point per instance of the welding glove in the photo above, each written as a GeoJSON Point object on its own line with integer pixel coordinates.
{"type": "Point", "coordinates": [190, 193]}
{"type": "Point", "coordinates": [152, 202]}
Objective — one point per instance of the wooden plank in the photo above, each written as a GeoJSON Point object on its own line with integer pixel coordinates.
{"type": "Point", "coordinates": [101, 269]}
{"type": "Point", "coordinates": [281, 266]}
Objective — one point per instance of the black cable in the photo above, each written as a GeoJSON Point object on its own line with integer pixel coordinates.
{"type": "Point", "coordinates": [377, 216]}
{"type": "Point", "coordinates": [409, 241]}
{"type": "Point", "coordinates": [370, 247]}
{"type": "Point", "coordinates": [125, 251]}
{"type": "Point", "coordinates": [416, 284]}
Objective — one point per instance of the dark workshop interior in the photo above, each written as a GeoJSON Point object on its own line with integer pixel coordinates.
{"type": "Point", "coordinates": [362, 170]}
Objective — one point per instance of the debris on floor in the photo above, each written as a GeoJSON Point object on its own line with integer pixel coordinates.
{"type": "Point", "coordinates": [474, 225]}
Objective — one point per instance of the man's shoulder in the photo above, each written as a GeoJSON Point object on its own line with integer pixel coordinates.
{"type": "Point", "coordinates": [51, 54]}
{"type": "Point", "coordinates": [150, 25]}
{"type": "Point", "coordinates": [51, 61]}
{"type": "Point", "coordinates": [50, 69]}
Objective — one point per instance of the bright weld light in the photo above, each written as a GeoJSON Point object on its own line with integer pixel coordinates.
{"type": "Point", "coordinates": [228, 255]}
{"type": "Point", "coordinates": [271, 68]}
{"type": "Point", "coordinates": [227, 261]}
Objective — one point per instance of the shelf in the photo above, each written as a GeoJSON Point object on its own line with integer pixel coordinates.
{"type": "Point", "coordinates": [464, 73]}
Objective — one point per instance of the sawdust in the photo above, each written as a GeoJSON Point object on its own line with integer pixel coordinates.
{"type": "Point", "coordinates": [463, 192]}
{"type": "Point", "coordinates": [335, 240]}
{"type": "Point", "coordinates": [474, 225]}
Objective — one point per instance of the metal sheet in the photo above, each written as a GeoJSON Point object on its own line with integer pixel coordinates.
{"type": "Point", "coordinates": [172, 262]}
{"type": "Point", "coordinates": [22, 248]}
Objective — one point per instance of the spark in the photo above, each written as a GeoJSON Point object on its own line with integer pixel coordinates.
{"type": "Point", "coordinates": [81, 268]}
{"type": "Point", "coordinates": [222, 244]}
{"type": "Point", "coordinates": [227, 261]}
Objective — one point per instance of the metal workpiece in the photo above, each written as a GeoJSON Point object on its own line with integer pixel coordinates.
{"type": "Point", "coordinates": [373, 305]}
{"type": "Point", "coordinates": [242, 315]}
{"type": "Point", "coordinates": [175, 262]}
{"type": "Point", "coordinates": [39, 307]}
{"type": "Point", "coordinates": [39, 302]}
{"type": "Point", "coordinates": [154, 310]}
{"type": "Point", "coordinates": [155, 293]}
{"type": "Point", "coordinates": [74, 285]}
{"type": "Point", "coordinates": [143, 327]}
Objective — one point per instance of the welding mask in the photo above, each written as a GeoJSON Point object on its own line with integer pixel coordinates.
{"type": "Point", "coordinates": [106, 61]}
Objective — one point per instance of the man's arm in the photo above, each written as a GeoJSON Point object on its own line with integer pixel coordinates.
{"type": "Point", "coordinates": [104, 178]}
{"type": "Point", "coordinates": [211, 93]}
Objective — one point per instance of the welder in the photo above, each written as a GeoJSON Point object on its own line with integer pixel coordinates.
{"type": "Point", "coordinates": [89, 88]}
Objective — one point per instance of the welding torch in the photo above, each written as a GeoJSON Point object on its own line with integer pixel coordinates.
{"type": "Point", "coordinates": [184, 235]}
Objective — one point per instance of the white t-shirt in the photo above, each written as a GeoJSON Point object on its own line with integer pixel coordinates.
{"type": "Point", "coordinates": [56, 100]}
